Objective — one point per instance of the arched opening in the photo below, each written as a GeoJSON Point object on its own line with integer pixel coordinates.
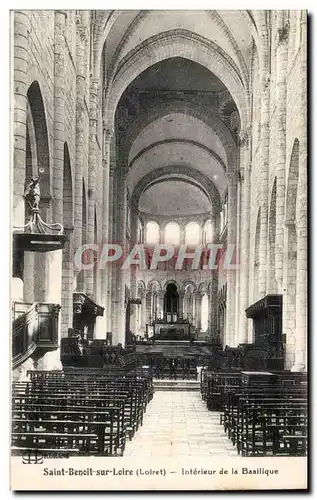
{"type": "Point", "coordinates": [188, 302]}
{"type": "Point", "coordinates": [171, 303]}
{"type": "Point", "coordinates": [172, 233]}
{"type": "Point", "coordinates": [68, 217]}
{"type": "Point", "coordinates": [36, 105]}
{"type": "Point", "coordinates": [192, 233]}
{"type": "Point", "coordinates": [36, 164]}
{"type": "Point", "coordinates": [81, 276]}
{"type": "Point", "coordinates": [68, 221]}
{"type": "Point", "coordinates": [204, 312]}
{"type": "Point", "coordinates": [152, 236]}
{"type": "Point", "coordinates": [289, 299]}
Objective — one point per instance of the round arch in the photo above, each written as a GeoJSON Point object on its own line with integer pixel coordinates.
{"type": "Point", "coordinates": [172, 233]}
{"type": "Point", "coordinates": [291, 193]}
{"type": "Point", "coordinates": [203, 287]}
{"type": "Point", "coordinates": [180, 43]}
{"type": "Point", "coordinates": [186, 283]}
{"type": "Point", "coordinates": [204, 183]}
{"type": "Point", "coordinates": [179, 141]}
{"type": "Point", "coordinates": [152, 227]}
{"type": "Point", "coordinates": [290, 265]}
{"type": "Point", "coordinates": [37, 110]}
{"type": "Point", "coordinates": [105, 20]}
{"type": "Point", "coordinates": [209, 118]}
{"type": "Point", "coordinates": [154, 286]}
{"type": "Point", "coordinates": [193, 232]}
{"type": "Point", "coordinates": [171, 282]}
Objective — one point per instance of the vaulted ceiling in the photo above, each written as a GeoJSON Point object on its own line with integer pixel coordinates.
{"type": "Point", "coordinates": [184, 108]}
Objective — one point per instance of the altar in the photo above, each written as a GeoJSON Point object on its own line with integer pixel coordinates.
{"type": "Point", "coordinates": [177, 330]}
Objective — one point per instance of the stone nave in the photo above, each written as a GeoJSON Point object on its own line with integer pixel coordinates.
{"type": "Point", "coordinates": [159, 231]}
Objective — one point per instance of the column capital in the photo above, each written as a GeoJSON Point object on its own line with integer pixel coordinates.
{"type": "Point", "coordinates": [81, 30]}
{"type": "Point", "coordinates": [94, 85]}
{"type": "Point", "coordinates": [241, 174]}
{"type": "Point", "coordinates": [112, 170]}
{"type": "Point", "coordinates": [108, 132]}
{"type": "Point", "coordinates": [266, 80]}
{"type": "Point", "coordinates": [63, 12]}
{"type": "Point", "coordinates": [282, 34]}
{"type": "Point", "coordinates": [244, 137]}
{"type": "Point", "coordinates": [231, 176]}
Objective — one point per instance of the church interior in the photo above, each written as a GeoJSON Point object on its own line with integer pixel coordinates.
{"type": "Point", "coordinates": [136, 132]}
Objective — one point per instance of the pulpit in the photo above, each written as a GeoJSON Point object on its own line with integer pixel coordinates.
{"type": "Point", "coordinates": [266, 352]}
{"type": "Point", "coordinates": [85, 312]}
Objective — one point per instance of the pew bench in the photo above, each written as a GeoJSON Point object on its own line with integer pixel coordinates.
{"type": "Point", "coordinates": [267, 431]}
{"type": "Point", "coordinates": [112, 419]}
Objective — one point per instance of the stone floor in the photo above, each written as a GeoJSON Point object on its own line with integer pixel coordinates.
{"type": "Point", "coordinates": [179, 424]}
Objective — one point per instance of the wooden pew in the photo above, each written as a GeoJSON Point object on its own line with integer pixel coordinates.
{"type": "Point", "coordinates": [115, 395]}
{"type": "Point", "coordinates": [217, 384]}
{"type": "Point", "coordinates": [269, 428]}
{"type": "Point", "coordinates": [73, 430]}
{"type": "Point", "coordinates": [98, 406]}
{"type": "Point", "coordinates": [264, 414]}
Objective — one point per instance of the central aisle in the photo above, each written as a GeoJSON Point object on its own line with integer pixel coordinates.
{"type": "Point", "coordinates": [177, 423]}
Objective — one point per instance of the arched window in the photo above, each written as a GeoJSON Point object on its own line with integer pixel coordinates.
{"type": "Point", "coordinates": [192, 234]}
{"type": "Point", "coordinates": [204, 313]}
{"type": "Point", "coordinates": [152, 232]}
{"type": "Point", "coordinates": [172, 233]}
{"type": "Point", "coordinates": [208, 232]}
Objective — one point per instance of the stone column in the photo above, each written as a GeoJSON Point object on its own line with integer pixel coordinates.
{"type": "Point", "coordinates": [106, 272]}
{"type": "Point", "coordinates": [244, 251]}
{"type": "Point", "coordinates": [214, 228]}
{"type": "Point", "coordinates": [59, 113]}
{"type": "Point", "coordinates": [181, 306]}
{"type": "Point", "coordinates": [133, 271]}
{"type": "Point", "coordinates": [67, 284]}
{"type": "Point", "coordinates": [230, 335]}
{"type": "Point", "coordinates": [143, 312]}
{"type": "Point", "coordinates": [301, 216]}
{"type": "Point", "coordinates": [212, 317]}
{"type": "Point", "coordinates": [221, 218]}
{"type": "Point", "coordinates": [53, 260]}
{"type": "Point", "coordinates": [160, 305]}
{"type": "Point", "coordinates": [281, 75]}
{"type": "Point", "coordinates": [110, 267]}
{"type": "Point", "coordinates": [119, 283]}
{"type": "Point", "coordinates": [53, 295]}
{"type": "Point", "coordinates": [154, 305]}
{"type": "Point", "coordinates": [182, 234]}
{"type": "Point", "coordinates": [198, 299]}
{"type": "Point", "coordinates": [190, 308]}
{"type": "Point", "coordinates": [185, 306]}
{"type": "Point", "coordinates": [264, 159]}
{"type": "Point", "coordinates": [81, 131]}
{"type": "Point", "coordinates": [20, 88]}
{"type": "Point", "coordinates": [92, 166]}
{"type": "Point", "coordinates": [238, 253]}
